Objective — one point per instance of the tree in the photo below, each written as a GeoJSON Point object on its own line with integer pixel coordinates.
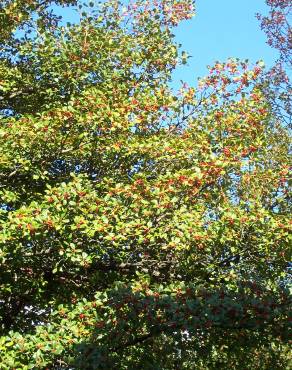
{"type": "Point", "coordinates": [277, 82]}
{"type": "Point", "coordinates": [140, 228]}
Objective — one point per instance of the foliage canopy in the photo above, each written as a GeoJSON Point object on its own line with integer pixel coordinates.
{"type": "Point", "coordinates": [140, 228]}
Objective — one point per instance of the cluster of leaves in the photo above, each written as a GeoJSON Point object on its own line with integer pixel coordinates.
{"type": "Point", "coordinates": [190, 323]}
{"type": "Point", "coordinates": [139, 228]}
{"type": "Point", "coordinates": [277, 27]}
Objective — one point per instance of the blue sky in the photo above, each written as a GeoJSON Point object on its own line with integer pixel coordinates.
{"type": "Point", "coordinates": [222, 29]}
